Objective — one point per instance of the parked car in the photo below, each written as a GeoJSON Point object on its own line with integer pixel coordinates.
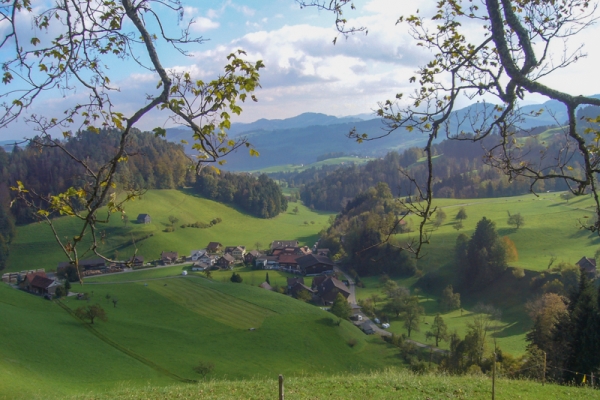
{"type": "Point", "coordinates": [385, 325]}
{"type": "Point", "coordinates": [376, 320]}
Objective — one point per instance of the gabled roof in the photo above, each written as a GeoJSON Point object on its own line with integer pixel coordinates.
{"type": "Point", "coordinates": [288, 259]}
{"type": "Point", "coordinates": [254, 253]}
{"type": "Point", "coordinates": [213, 246]}
{"type": "Point", "coordinates": [228, 257]}
{"type": "Point", "coordinates": [265, 285]}
{"type": "Point", "coordinates": [283, 243]}
{"type": "Point", "coordinates": [136, 259]}
{"type": "Point", "coordinates": [201, 251]}
{"type": "Point", "coordinates": [142, 216]}
{"type": "Point", "coordinates": [31, 275]}
{"type": "Point", "coordinates": [300, 286]}
{"type": "Point", "coordinates": [312, 259]}
{"type": "Point", "coordinates": [168, 255]}
{"type": "Point", "coordinates": [586, 263]}
{"type": "Point", "coordinates": [331, 282]}
{"type": "Point", "coordinates": [41, 282]}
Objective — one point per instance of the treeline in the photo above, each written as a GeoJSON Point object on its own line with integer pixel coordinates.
{"type": "Point", "coordinates": [458, 169]}
{"type": "Point", "coordinates": [260, 196]}
{"type": "Point", "coordinates": [152, 163]}
{"type": "Point", "coordinates": [357, 232]}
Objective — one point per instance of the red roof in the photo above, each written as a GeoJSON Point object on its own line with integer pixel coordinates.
{"type": "Point", "coordinates": [289, 258]}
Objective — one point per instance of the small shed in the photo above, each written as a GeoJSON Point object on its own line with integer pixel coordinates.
{"type": "Point", "coordinates": [144, 219]}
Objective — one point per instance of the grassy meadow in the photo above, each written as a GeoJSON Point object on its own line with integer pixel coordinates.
{"type": "Point", "coordinates": [552, 229]}
{"type": "Point", "coordinates": [34, 246]}
{"type": "Point", "coordinates": [162, 327]}
{"type": "Point", "coordinates": [389, 384]}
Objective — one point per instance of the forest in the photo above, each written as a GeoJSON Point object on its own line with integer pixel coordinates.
{"type": "Point", "coordinates": [260, 196]}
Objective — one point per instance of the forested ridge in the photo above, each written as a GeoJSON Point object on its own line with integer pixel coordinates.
{"type": "Point", "coordinates": [151, 163]}
{"type": "Point", "coordinates": [459, 170]}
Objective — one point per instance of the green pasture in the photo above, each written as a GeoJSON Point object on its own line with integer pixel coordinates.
{"type": "Point", "coordinates": [35, 246]}
{"type": "Point", "coordinates": [164, 327]}
{"type": "Point", "coordinates": [552, 229]}
{"type": "Point", "coordinates": [343, 161]}
{"type": "Point", "coordinates": [389, 384]}
{"type": "Point", "coordinates": [45, 351]}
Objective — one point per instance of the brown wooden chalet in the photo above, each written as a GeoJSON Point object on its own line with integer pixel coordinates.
{"type": "Point", "coordinates": [136, 262]}
{"type": "Point", "coordinates": [315, 265]}
{"type": "Point", "coordinates": [588, 266]}
{"type": "Point", "coordinates": [300, 251]}
{"type": "Point", "coordinates": [226, 261]}
{"type": "Point", "coordinates": [214, 247]}
{"type": "Point", "coordinates": [236, 252]}
{"type": "Point", "coordinates": [251, 256]}
{"type": "Point", "coordinates": [281, 244]}
{"type": "Point", "coordinates": [168, 257]}
{"type": "Point", "coordinates": [328, 288]}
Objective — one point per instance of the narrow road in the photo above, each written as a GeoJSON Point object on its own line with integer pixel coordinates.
{"type": "Point", "coordinates": [376, 328]}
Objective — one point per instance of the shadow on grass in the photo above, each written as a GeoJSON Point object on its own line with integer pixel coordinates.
{"type": "Point", "coordinates": [513, 329]}
{"type": "Point", "coordinates": [329, 321]}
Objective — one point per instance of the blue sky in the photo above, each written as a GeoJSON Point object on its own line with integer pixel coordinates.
{"type": "Point", "coordinates": [304, 71]}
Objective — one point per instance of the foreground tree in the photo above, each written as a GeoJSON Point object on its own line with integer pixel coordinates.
{"type": "Point", "coordinates": [519, 42]}
{"type": "Point", "coordinates": [70, 49]}
{"type": "Point", "coordinates": [340, 307]}
{"type": "Point", "coordinates": [91, 313]}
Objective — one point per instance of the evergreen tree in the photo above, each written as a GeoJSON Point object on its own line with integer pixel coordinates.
{"type": "Point", "coordinates": [485, 253]}
{"type": "Point", "coordinates": [267, 279]}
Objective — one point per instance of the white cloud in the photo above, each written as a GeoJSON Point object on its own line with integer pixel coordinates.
{"type": "Point", "coordinates": [202, 24]}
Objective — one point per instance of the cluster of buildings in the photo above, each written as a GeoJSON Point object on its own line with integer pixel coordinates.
{"type": "Point", "coordinates": [33, 281]}
{"type": "Point", "coordinates": [323, 289]}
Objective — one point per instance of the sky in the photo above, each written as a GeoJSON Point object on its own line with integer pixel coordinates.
{"type": "Point", "coordinates": [305, 71]}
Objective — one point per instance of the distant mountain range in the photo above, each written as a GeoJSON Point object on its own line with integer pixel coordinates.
{"type": "Point", "coordinates": [301, 139]}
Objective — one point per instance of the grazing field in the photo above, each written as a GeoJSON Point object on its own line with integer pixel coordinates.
{"type": "Point", "coordinates": [162, 328]}
{"type": "Point", "coordinates": [35, 247]}
{"type": "Point", "coordinates": [552, 229]}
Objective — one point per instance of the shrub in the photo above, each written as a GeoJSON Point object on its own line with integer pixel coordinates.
{"type": "Point", "coordinates": [352, 342]}
{"type": "Point", "coordinates": [518, 273]}
{"type": "Point", "coordinates": [204, 368]}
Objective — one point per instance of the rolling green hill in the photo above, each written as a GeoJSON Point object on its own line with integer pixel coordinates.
{"type": "Point", "coordinates": [35, 247]}
{"type": "Point", "coordinates": [162, 328]}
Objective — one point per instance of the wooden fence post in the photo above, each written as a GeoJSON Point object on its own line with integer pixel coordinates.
{"type": "Point", "coordinates": [544, 371]}
{"type": "Point", "coordinates": [494, 378]}
{"type": "Point", "coordinates": [281, 394]}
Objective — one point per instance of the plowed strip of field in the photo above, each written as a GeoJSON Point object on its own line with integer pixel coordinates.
{"type": "Point", "coordinates": [212, 304]}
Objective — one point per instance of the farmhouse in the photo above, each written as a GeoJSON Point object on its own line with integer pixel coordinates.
{"type": "Point", "coordinates": [251, 256]}
{"type": "Point", "coordinates": [314, 265]}
{"type": "Point", "coordinates": [289, 262]}
{"type": "Point", "coordinates": [237, 252]}
{"type": "Point", "coordinates": [196, 254]}
{"type": "Point", "coordinates": [328, 287]}
{"type": "Point", "coordinates": [208, 259]}
{"type": "Point", "coordinates": [144, 219]}
{"type": "Point", "coordinates": [136, 262]}
{"type": "Point", "coordinates": [200, 266]}
{"type": "Point", "coordinates": [226, 261]}
{"type": "Point", "coordinates": [38, 283]}
{"type": "Point", "coordinates": [213, 247]}
{"type": "Point", "coordinates": [588, 266]}
{"type": "Point", "coordinates": [168, 257]}
{"type": "Point", "coordinates": [277, 244]}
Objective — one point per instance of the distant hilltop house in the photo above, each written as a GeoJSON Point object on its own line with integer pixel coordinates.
{"type": "Point", "coordinates": [281, 244]}
{"type": "Point", "coordinates": [144, 219]}
{"type": "Point", "coordinates": [588, 265]}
